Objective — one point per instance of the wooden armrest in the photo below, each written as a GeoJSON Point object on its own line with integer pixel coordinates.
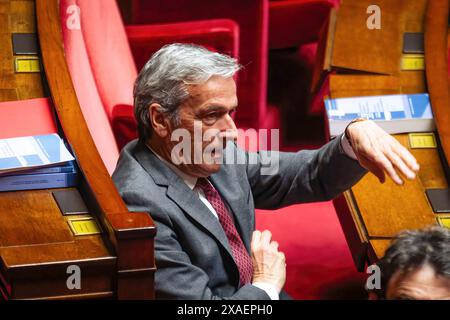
{"type": "Point", "coordinates": [436, 64]}
{"type": "Point", "coordinates": [130, 233]}
{"type": "Point", "coordinates": [134, 225]}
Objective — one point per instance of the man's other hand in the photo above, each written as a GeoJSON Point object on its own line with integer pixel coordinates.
{"type": "Point", "coordinates": [379, 152]}
{"type": "Point", "coordinates": [269, 264]}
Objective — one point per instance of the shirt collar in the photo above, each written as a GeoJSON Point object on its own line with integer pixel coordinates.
{"type": "Point", "coordinates": [189, 180]}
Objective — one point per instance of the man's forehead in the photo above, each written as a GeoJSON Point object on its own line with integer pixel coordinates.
{"type": "Point", "coordinates": [423, 281]}
{"type": "Point", "coordinates": [216, 91]}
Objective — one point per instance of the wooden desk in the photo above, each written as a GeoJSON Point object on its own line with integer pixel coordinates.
{"type": "Point", "coordinates": [36, 243]}
{"type": "Point", "coordinates": [367, 62]}
{"type": "Point", "coordinates": [16, 17]}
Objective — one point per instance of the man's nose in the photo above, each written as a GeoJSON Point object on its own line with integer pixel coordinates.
{"type": "Point", "coordinates": [228, 128]}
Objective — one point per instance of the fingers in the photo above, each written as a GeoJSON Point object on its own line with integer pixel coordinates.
{"type": "Point", "coordinates": [389, 162]}
{"type": "Point", "coordinates": [384, 162]}
{"type": "Point", "coordinates": [273, 246]}
{"type": "Point", "coordinates": [256, 239]}
{"type": "Point", "coordinates": [401, 165]}
{"type": "Point", "coordinates": [372, 167]}
{"type": "Point", "coordinates": [379, 152]}
{"type": "Point", "coordinates": [266, 236]}
{"type": "Point", "coordinates": [263, 240]}
{"type": "Point", "coordinates": [398, 158]}
{"type": "Point", "coordinates": [269, 265]}
{"type": "Point", "coordinates": [282, 258]}
{"type": "Point", "coordinates": [407, 157]}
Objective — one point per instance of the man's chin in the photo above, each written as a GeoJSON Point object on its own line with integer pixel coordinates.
{"type": "Point", "coordinates": [208, 169]}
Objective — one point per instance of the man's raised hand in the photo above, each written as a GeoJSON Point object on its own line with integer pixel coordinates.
{"type": "Point", "coordinates": [379, 152]}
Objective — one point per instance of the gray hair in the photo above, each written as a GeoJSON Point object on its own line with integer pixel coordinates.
{"type": "Point", "coordinates": [413, 249]}
{"type": "Point", "coordinates": [165, 77]}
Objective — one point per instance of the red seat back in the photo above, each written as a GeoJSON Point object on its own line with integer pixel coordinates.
{"type": "Point", "coordinates": [252, 17]}
{"type": "Point", "coordinates": [108, 51]}
{"type": "Point", "coordinates": [84, 83]}
{"type": "Point", "coordinates": [219, 35]}
{"type": "Point", "coordinates": [296, 22]}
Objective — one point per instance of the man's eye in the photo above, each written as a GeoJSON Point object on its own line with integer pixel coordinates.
{"type": "Point", "coordinates": [210, 118]}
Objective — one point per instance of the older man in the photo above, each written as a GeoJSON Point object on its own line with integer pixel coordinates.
{"type": "Point", "coordinates": [204, 207]}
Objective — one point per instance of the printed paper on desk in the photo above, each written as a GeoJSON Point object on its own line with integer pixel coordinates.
{"type": "Point", "coordinates": [32, 152]}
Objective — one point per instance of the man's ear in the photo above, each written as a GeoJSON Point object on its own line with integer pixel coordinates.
{"type": "Point", "coordinates": [158, 121]}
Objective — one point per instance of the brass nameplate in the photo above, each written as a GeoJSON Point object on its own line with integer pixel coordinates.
{"type": "Point", "coordinates": [27, 65]}
{"type": "Point", "coordinates": [444, 221]}
{"type": "Point", "coordinates": [84, 226]}
{"type": "Point", "coordinates": [422, 140]}
{"type": "Point", "coordinates": [413, 62]}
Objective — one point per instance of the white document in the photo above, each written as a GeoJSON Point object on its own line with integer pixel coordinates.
{"type": "Point", "coordinates": [32, 152]}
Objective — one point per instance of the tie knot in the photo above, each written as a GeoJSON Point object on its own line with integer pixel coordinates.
{"type": "Point", "coordinates": [204, 185]}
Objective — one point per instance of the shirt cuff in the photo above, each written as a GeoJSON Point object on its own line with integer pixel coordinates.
{"type": "Point", "coordinates": [348, 150]}
{"type": "Point", "coordinates": [270, 289]}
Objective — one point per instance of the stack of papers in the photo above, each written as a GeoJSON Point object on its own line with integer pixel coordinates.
{"type": "Point", "coordinates": [25, 153]}
{"type": "Point", "coordinates": [394, 113]}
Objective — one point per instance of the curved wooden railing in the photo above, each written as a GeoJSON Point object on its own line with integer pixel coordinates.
{"type": "Point", "coordinates": [436, 62]}
{"type": "Point", "coordinates": [130, 233]}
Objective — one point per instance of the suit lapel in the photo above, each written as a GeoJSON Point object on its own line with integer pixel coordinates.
{"type": "Point", "coordinates": [192, 205]}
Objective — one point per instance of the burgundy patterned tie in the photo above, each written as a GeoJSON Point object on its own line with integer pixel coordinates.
{"type": "Point", "coordinates": [240, 254]}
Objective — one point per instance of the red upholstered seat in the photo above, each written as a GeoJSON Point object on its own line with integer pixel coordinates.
{"type": "Point", "coordinates": [296, 22]}
{"type": "Point", "coordinates": [319, 262]}
{"type": "Point", "coordinates": [221, 35]}
{"type": "Point", "coordinates": [252, 17]}
{"type": "Point", "coordinates": [84, 81]}
{"type": "Point", "coordinates": [109, 54]}
{"type": "Point", "coordinates": [307, 53]}
{"type": "Point", "coordinates": [103, 68]}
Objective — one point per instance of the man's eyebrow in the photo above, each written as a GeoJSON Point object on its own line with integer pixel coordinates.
{"type": "Point", "coordinates": [212, 108]}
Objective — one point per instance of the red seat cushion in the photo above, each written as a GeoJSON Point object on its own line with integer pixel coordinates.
{"type": "Point", "coordinates": [252, 17]}
{"type": "Point", "coordinates": [86, 88]}
{"type": "Point", "coordinates": [220, 35]}
{"type": "Point", "coordinates": [307, 54]}
{"type": "Point", "coordinates": [108, 51]}
{"type": "Point", "coordinates": [294, 22]}
{"type": "Point", "coordinates": [319, 262]}
{"type": "Point", "coordinates": [124, 124]}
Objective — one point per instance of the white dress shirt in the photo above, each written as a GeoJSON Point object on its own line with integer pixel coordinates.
{"type": "Point", "coordinates": [345, 144]}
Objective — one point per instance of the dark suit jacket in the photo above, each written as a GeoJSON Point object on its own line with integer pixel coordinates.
{"type": "Point", "coordinates": [193, 258]}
